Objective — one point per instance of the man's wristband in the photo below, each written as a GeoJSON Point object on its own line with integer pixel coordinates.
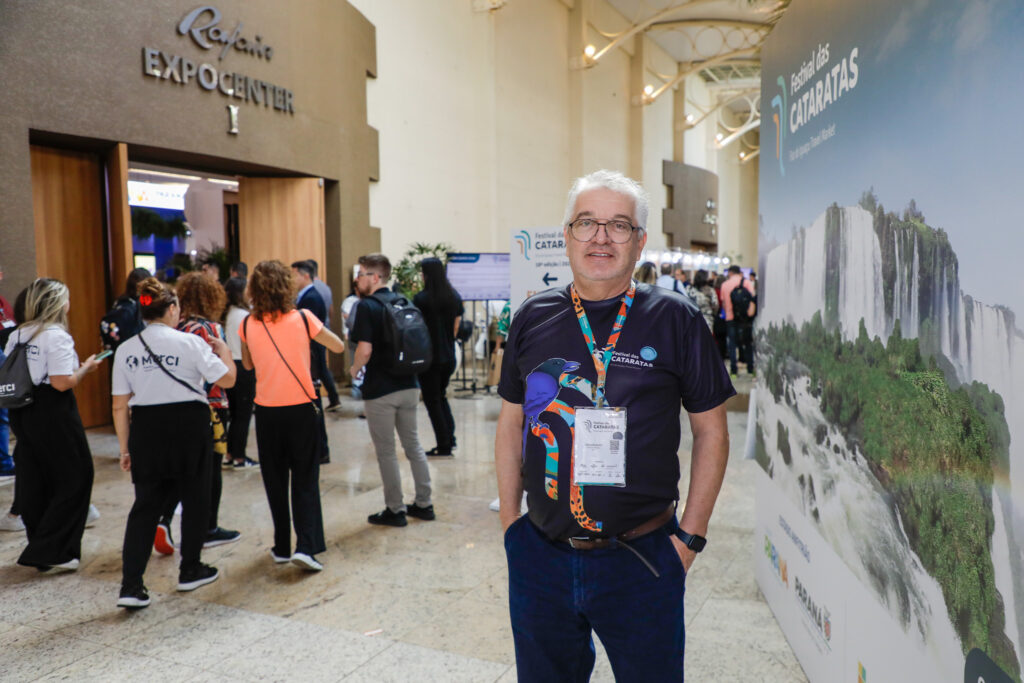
{"type": "Point", "coordinates": [692, 541]}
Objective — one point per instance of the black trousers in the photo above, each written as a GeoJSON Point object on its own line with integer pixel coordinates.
{"type": "Point", "coordinates": [323, 372]}
{"type": "Point", "coordinates": [434, 385]}
{"type": "Point", "coordinates": [54, 480]}
{"type": "Point", "coordinates": [171, 448]}
{"type": "Point", "coordinates": [216, 483]}
{"type": "Point", "coordinates": [150, 495]}
{"type": "Point", "coordinates": [240, 399]}
{"type": "Point", "coordinates": [288, 438]}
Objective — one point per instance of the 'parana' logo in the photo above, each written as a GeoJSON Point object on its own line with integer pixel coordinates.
{"type": "Point", "coordinates": [779, 117]}
{"type": "Point", "coordinates": [819, 615]}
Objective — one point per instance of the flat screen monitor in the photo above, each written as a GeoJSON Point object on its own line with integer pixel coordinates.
{"type": "Point", "coordinates": [480, 277]}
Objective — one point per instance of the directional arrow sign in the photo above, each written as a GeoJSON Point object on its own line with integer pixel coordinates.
{"type": "Point", "coordinates": [538, 261]}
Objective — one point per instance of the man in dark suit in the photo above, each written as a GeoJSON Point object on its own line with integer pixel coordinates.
{"type": "Point", "coordinates": [325, 374]}
{"type": "Point", "coordinates": [311, 300]}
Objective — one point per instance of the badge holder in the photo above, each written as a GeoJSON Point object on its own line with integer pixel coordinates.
{"type": "Point", "coordinates": [599, 447]}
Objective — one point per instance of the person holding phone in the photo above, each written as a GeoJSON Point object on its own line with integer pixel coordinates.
{"type": "Point", "coordinates": [55, 471]}
{"type": "Point", "coordinates": [162, 420]}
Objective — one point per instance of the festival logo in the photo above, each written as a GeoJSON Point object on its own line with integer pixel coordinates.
{"type": "Point", "coordinates": [523, 239]}
{"type": "Point", "coordinates": [781, 123]}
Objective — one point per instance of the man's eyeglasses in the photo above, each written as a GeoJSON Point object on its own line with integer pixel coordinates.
{"type": "Point", "coordinates": [585, 229]}
{"type": "Point", "coordinates": [365, 272]}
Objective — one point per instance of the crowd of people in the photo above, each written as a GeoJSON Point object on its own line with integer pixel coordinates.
{"type": "Point", "coordinates": [192, 363]}
{"type": "Point", "coordinates": [727, 301]}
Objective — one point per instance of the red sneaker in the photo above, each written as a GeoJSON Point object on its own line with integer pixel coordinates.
{"type": "Point", "coordinates": [163, 543]}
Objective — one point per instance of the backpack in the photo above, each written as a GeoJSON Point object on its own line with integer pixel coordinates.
{"type": "Point", "coordinates": [121, 322]}
{"type": "Point", "coordinates": [15, 379]}
{"type": "Point", "coordinates": [406, 337]}
{"type": "Point", "coordinates": [741, 299]}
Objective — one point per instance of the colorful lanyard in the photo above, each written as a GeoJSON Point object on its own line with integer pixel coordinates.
{"type": "Point", "coordinates": [602, 358]}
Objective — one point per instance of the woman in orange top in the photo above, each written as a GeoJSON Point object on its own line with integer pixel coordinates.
{"type": "Point", "coordinates": [275, 341]}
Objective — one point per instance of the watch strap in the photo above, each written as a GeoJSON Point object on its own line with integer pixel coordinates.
{"type": "Point", "coordinates": [692, 541]}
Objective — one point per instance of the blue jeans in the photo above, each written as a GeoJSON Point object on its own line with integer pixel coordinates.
{"type": "Point", "coordinates": [739, 335]}
{"type": "Point", "coordinates": [557, 595]}
{"type": "Point", "coordinates": [6, 462]}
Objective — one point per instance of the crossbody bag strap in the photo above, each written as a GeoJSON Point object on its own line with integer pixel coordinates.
{"type": "Point", "coordinates": [312, 400]}
{"type": "Point", "coordinates": [167, 372]}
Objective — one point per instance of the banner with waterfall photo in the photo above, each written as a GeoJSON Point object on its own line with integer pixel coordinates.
{"type": "Point", "coordinates": [890, 393]}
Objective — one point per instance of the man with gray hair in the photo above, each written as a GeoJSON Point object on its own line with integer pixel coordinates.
{"type": "Point", "coordinates": [592, 380]}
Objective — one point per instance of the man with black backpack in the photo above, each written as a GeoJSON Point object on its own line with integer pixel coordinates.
{"type": "Point", "coordinates": [392, 345]}
{"type": "Point", "coordinates": [740, 307]}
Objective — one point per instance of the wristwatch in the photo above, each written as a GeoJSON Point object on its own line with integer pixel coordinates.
{"type": "Point", "coordinates": [692, 541]}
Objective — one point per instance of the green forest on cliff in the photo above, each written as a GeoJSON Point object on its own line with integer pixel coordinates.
{"type": "Point", "coordinates": [935, 448]}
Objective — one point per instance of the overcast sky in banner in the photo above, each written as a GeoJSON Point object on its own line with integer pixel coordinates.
{"type": "Point", "coordinates": [935, 116]}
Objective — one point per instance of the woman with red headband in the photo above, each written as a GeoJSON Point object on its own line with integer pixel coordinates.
{"type": "Point", "coordinates": [162, 419]}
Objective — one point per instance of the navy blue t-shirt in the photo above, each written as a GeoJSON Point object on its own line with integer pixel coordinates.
{"type": "Point", "coordinates": [665, 354]}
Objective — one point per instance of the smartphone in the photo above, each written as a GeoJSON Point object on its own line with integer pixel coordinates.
{"type": "Point", "coordinates": [104, 354]}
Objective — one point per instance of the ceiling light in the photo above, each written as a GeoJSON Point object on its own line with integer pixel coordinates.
{"type": "Point", "coordinates": [689, 118]}
{"type": "Point", "coordinates": [163, 174]}
{"type": "Point", "coordinates": [719, 136]}
{"type": "Point", "coordinates": [648, 90]}
{"type": "Point", "coordinates": [590, 51]}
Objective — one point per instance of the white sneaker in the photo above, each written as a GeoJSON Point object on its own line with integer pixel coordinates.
{"type": "Point", "coordinates": [90, 519]}
{"type": "Point", "coordinates": [307, 562]}
{"type": "Point", "coordinates": [11, 523]}
{"type": "Point", "coordinates": [69, 566]}
{"type": "Point", "coordinates": [278, 559]}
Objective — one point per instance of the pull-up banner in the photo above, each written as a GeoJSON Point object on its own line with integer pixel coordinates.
{"type": "Point", "coordinates": [890, 402]}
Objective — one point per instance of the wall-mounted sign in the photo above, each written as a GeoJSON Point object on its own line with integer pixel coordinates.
{"type": "Point", "coordinates": [203, 27]}
{"type": "Point", "coordinates": [157, 195]}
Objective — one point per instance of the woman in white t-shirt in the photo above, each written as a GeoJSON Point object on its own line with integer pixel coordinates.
{"type": "Point", "coordinates": [54, 463]}
{"type": "Point", "coordinates": [167, 441]}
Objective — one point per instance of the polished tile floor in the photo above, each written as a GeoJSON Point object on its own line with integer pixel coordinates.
{"type": "Point", "coordinates": [426, 602]}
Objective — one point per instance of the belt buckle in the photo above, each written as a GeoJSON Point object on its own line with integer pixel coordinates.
{"type": "Point", "coordinates": [573, 539]}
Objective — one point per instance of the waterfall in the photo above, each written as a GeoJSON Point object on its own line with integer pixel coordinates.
{"type": "Point", "coordinates": [913, 329]}
{"type": "Point", "coordinates": [981, 341]}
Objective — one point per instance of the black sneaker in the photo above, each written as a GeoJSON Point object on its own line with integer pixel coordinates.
{"type": "Point", "coordinates": [434, 452]}
{"type": "Point", "coordinates": [133, 597]}
{"type": "Point", "coordinates": [414, 510]}
{"type": "Point", "coordinates": [200, 575]}
{"type": "Point", "coordinates": [220, 536]}
{"type": "Point", "coordinates": [388, 518]}
{"type": "Point", "coordinates": [245, 463]}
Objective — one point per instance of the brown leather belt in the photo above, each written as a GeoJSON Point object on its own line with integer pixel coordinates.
{"type": "Point", "coordinates": [653, 524]}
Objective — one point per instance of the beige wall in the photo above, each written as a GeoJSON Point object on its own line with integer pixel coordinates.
{"type": "Point", "coordinates": [76, 70]}
{"type": "Point", "coordinates": [478, 122]}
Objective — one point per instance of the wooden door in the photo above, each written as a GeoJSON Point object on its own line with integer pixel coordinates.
{"type": "Point", "coordinates": [67, 200]}
{"type": "Point", "coordinates": [281, 218]}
